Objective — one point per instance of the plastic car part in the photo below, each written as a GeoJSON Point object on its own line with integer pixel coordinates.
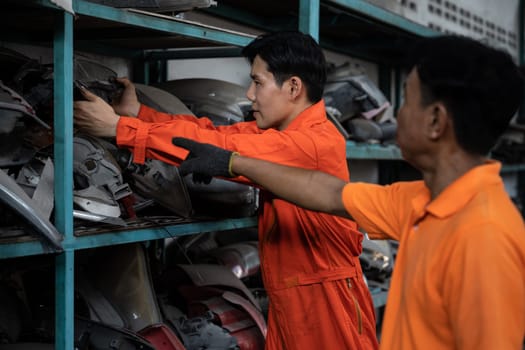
{"type": "Point", "coordinates": [16, 115]}
{"type": "Point", "coordinates": [97, 201]}
{"type": "Point", "coordinates": [12, 61]}
{"type": "Point", "coordinates": [122, 274]}
{"type": "Point", "coordinates": [217, 275]}
{"type": "Point", "coordinates": [36, 178]}
{"type": "Point", "coordinates": [162, 337]}
{"type": "Point", "coordinates": [221, 101]}
{"type": "Point", "coordinates": [159, 5]}
{"type": "Point", "coordinates": [248, 307]}
{"type": "Point", "coordinates": [27, 346]}
{"type": "Point", "coordinates": [352, 93]}
{"type": "Point", "coordinates": [362, 129]}
{"type": "Point", "coordinates": [14, 106]}
{"type": "Point", "coordinates": [201, 333]}
{"type": "Point", "coordinates": [242, 258]}
{"type": "Point", "coordinates": [222, 198]}
{"type": "Point", "coordinates": [94, 335]}
{"type": "Point", "coordinates": [78, 214]}
{"type": "Point", "coordinates": [376, 260]}
{"type": "Point", "coordinates": [87, 70]}
{"type": "Point", "coordinates": [98, 178]}
{"type": "Point", "coordinates": [11, 315]}
{"type": "Point", "coordinates": [231, 316]}
{"type": "Point", "coordinates": [162, 182]}
{"type": "Point", "coordinates": [161, 100]}
{"type": "Point", "coordinates": [15, 197]}
{"type": "Point", "coordinates": [224, 103]}
{"type": "Point", "coordinates": [92, 304]}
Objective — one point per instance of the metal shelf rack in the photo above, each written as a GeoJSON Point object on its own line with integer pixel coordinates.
{"type": "Point", "coordinates": [342, 25]}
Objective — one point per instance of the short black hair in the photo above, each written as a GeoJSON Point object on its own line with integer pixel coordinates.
{"type": "Point", "coordinates": [481, 86]}
{"type": "Point", "coordinates": [289, 53]}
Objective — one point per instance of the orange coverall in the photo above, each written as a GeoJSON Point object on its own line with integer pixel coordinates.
{"type": "Point", "coordinates": [309, 260]}
{"type": "Point", "coordinates": [459, 275]}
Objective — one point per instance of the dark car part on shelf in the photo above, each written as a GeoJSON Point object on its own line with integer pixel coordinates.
{"type": "Point", "coordinates": [31, 79]}
{"type": "Point", "coordinates": [11, 315]}
{"type": "Point", "coordinates": [37, 179]}
{"type": "Point", "coordinates": [212, 292]}
{"type": "Point", "coordinates": [91, 335]}
{"type": "Point", "coordinates": [351, 91]}
{"type": "Point", "coordinates": [333, 115]}
{"type": "Point", "coordinates": [161, 100]}
{"type": "Point", "coordinates": [13, 107]}
{"type": "Point", "coordinates": [87, 69]}
{"type": "Point", "coordinates": [27, 346]}
{"type": "Point", "coordinates": [163, 183]}
{"type": "Point", "coordinates": [366, 130]}
{"type": "Point", "coordinates": [203, 275]}
{"type": "Point", "coordinates": [84, 215]}
{"type": "Point", "coordinates": [201, 333]}
{"type": "Point", "coordinates": [92, 304]}
{"type": "Point", "coordinates": [12, 195]}
{"type": "Point", "coordinates": [98, 181]}
{"type": "Point", "coordinates": [12, 61]}
{"type": "Point", "coordinates": [222, 198]}
{"type": "Point", "coordinates": [159, 5]}
{"type": "Point", "coordinates": [17, 118]}
{"type": "Point", "coordinates": [96, 77]}
{"type": "Point", "coordinates": [377, 261]}
{"type": "Point", "coordinates": [359, 105]}
{"type": "Point", "coordinates": [162, 337]}
{"type": "Point", "coordinates": [128, 3]}
{"type": "Point", "coordinates": [203, 301]}
{"type": "Point", "coordinates": [122, 274]}
{"type": "Point", "coordinates": [510, 147]}
{"type": "Point", "coordinates": [107, 90]}
{"type": "Point", "coordinates": [223, 102]}
{"type": "Point", "coordinates": [242, 258]}
{"type": "Point", "coordinates": [255, 314]}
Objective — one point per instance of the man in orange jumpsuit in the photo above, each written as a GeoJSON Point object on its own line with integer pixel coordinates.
{"type": "Point", "coordinates": [309, 261]}
{"type": "Point", "coordinates": [459, 275]}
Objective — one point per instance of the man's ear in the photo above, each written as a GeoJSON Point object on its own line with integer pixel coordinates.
{"type": "Point", "coordinates": [295, 86]}
{"type": "Point", "coordinates": [438, 120]}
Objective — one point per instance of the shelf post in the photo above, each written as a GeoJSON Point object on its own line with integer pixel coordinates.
{"type": "Point", "coordinates": [309, 17]}
{"type": "Point", "coordinates": [63, 154]}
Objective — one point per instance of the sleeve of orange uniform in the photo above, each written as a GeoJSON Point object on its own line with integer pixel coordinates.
{"type": "Point", "coordinates": [150, 115]}
{"type": "Point", "coordinates": [379, 210]}
{"type": "Point", "coordinates": [485, 288]}
{"type": "Point", "coordinates": [153, 140]}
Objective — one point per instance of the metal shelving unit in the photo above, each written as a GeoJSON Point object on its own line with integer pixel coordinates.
{"type": "Point", "coordinates": [53, 21]}
{"type": "Point", "coordinates": [341, 25]}
{"type": "Point", "coordinates": [89, 27]}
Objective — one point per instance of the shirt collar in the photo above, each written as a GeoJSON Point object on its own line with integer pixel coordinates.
{"type": "Point", "coordinates": [316, 113]}
{"type": "Point", "coordinates": [460, 192]}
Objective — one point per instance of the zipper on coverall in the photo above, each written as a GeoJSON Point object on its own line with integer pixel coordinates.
{"type": "Point", "coordinates": [357, 307]}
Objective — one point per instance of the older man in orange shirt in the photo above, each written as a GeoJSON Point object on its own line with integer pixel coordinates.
{"type": "Point", "coordinates": [459, 276]}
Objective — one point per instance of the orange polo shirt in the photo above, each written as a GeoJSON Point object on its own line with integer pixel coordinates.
{"type": "Point", "coordinates": [459, 275]}
{"type": "Point", "coordinates": [309, 260]}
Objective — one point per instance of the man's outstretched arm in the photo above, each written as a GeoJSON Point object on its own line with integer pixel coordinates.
{"type": "Point", "coordinates": [309, 189]}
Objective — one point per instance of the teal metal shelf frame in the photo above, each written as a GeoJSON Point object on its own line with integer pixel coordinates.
{"type": "Point", "coordinates": [33, 246]}
{"type": "Point", "coordinates": [309, 17]}
{"type": "Point", "coordinates": [175, 26]}
{"type": "Point", "coordinates": [360, 150]}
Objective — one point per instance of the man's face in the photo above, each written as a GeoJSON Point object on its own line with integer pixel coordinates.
{"type": "Point", "coordinates": [410, 119]}
{"type": "Point", "coordinates": [271, 103]}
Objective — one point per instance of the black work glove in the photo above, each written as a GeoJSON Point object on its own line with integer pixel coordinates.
{"type": "Point", "coordinates": [204, 160]}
